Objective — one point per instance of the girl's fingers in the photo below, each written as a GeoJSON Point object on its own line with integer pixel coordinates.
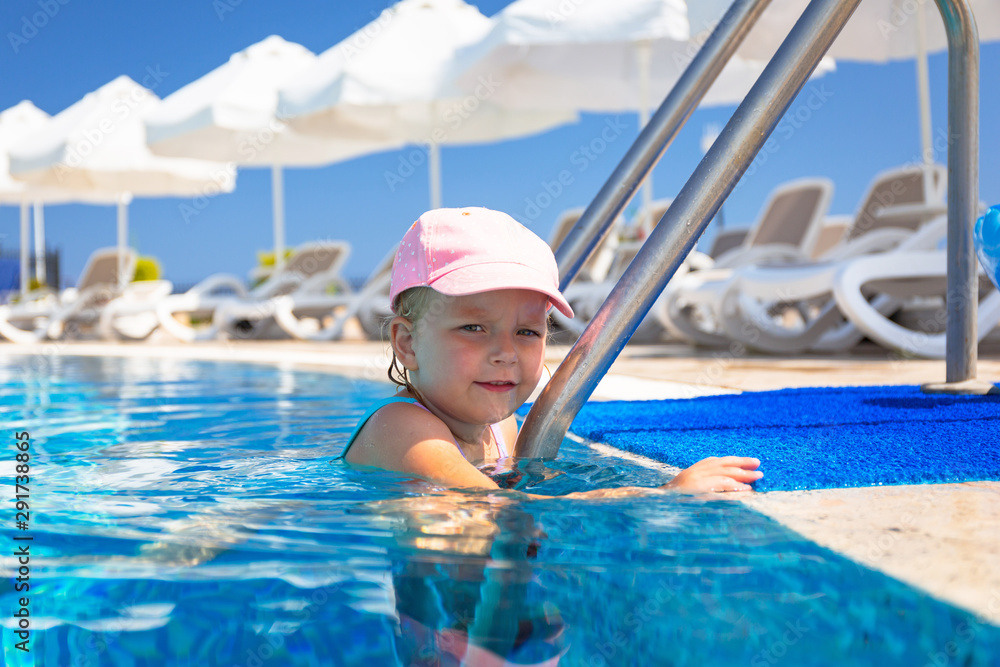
{"type": "Point", "coordinates": [728, 484]}
{"type": "Point", "coordinates": [747, 462]}
{"type": "Point", "coordinates": [742, 474]}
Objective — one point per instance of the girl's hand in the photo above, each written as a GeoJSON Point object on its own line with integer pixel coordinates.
{"type": "Point", "coordinates": [728, 473]}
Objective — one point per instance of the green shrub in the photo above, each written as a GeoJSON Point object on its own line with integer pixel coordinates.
{"type": "Point", "coordinates": [265, 258]}
{"type": "Point", "coordinates": [146, 268]}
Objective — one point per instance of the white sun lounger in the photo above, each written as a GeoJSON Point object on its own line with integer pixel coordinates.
{"type": "Point", "coordinates": [44, 314]}
{"type": "Point", "coordinates": [917, 276]}
{"type": "Point", "coordinates": [227, 307]}
{"type": "Point", "coordinates": [310, 284]}
{"type": "Point", "coordinates": [306, 315]}
{"type": "Point", "coordinates": [132, 314]}
{"type": "Point", "coordinates": [608, 263]}
{"type": "Point", "coordinates": [790, 309]}
{"type": "Point", "coordinates": [786, 231]}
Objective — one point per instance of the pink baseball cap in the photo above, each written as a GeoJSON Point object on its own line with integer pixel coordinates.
{"type": "Point", "coordinates": [460, 251]}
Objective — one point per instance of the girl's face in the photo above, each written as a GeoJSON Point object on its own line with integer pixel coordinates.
{"type": "Point", "coordinates": [477, 358]}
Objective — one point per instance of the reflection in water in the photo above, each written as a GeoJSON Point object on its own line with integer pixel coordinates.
{"type": "Point", "coordinates": [462, 581]}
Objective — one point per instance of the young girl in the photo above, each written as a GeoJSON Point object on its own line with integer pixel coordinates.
{"type": "Point", "coordinates": [471, 289]}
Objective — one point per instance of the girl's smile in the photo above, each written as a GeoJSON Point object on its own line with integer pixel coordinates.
{"type": "Point", "coordinates": [497, 386]}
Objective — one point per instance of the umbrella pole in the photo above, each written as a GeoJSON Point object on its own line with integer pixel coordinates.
{"type": "Point", "coordinates": [39, 215]}
{"type": "Point", "coordinates": [122, 239]}
{"type": "Point", "coordinates": [924, 90]}
{"type": "Point", "coordinates": [434, 172]}
{"type": "Point", "coordinates": [924, 103]}
{"type": "Point", "coordinates": [644, 56]}
{"type": "Point", "coordinates": [25, 276]}
{"type": "Point", "coordinates": [278, 214]}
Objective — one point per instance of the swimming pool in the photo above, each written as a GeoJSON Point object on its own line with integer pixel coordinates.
{"type": "Point", "coordinates": [193, 513]}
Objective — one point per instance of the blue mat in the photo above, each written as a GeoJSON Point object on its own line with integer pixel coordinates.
{"type": "Point", "coordinates": [814, 438]}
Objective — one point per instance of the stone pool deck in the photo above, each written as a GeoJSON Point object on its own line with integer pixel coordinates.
{"type": "Point", "coordinates": [944, 539]}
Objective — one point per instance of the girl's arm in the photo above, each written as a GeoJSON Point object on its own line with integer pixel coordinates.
{"type": "Point", "coordinates": [413, 441]}
{"type": "Point", "coordinates": [714, 474]}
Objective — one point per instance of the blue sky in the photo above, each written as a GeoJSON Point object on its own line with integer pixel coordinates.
{"type": "Point", "coordinates": [867, 122]}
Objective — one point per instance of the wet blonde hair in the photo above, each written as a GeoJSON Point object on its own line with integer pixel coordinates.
{"type": "Point", "coordinates": [411, 304]}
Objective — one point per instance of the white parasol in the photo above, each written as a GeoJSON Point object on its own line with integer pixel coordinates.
{"type": "Point", "coordinates": [599, 56]}
{"type": "Point", "coordinates": [394, 79]}
{"type": "Point", "coordinates": [878, 31]}
{"type": "Point", "coordinates": [17, 122]}
{"type": "Point", "coordinates": [98, 145]}
{"type": "Point", "coordinates": [229, 115]}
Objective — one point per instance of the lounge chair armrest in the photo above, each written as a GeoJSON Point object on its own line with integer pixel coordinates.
{"type": "Point", "coordinates": [907, 212]}
{"type": "Point", "coordinates": [219, 282]}
{"type": "Point", "coordinates": [39, 293]}
{"type": "Point", "coordinates": [319, 283]}
{"type": "Point", "coordinates": [147, 290]}
{"type": "Point", "coordinates": [766, 254]}
{"type": "Point", "coordinates": [931, 236]}
{"type": "Point", "coordinates": [878, 240]}
{"type": "Point", "coordinates": [69, 295]}
{"type": "Point", "coordinates": [279, 284]}
{"type": "Point", "coordinates": [786, 283]}
{"type": "Point", "coordinates": [839, 220]}
{"type": "Point", "coordinates": [699, 261]}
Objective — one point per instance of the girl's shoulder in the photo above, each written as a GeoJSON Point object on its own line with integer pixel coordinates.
{"type": "Point", "coordinates": [389, 428]}
{"type": "Point", "coordinates": [406, 437]}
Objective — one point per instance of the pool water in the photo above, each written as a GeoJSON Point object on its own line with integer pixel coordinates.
{"type": "Point", "coordinates": [194, 513]}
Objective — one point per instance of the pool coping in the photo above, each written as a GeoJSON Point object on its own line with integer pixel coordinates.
{"type": "Point", "coordinates": [940, 538]}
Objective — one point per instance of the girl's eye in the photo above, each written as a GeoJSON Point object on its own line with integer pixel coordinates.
{"type": "Point", "coordinates": [473, 327]}
{"type": "Point", "coordinates": [529, 332]}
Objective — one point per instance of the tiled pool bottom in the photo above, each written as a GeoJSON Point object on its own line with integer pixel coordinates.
{"type": "Point", "coordinates": [191, 513]}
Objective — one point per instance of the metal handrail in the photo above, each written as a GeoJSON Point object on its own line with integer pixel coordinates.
{"type": "Point", "coordinates": [716, 176]}
{"type": "Point", "coordinates": [963, 202]}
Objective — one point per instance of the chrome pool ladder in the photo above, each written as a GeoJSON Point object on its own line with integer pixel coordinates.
{"type": "Point", "coordinates": [718, 173]}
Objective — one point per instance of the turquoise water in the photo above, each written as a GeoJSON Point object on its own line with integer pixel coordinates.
{"type": "Point", "coordinates": [193, 513]}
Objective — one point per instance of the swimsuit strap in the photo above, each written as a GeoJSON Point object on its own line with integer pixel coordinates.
{"type": "Point", "coordinates": [495, 428]}
{"type": "Point", "coordinates": [501, 443]}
